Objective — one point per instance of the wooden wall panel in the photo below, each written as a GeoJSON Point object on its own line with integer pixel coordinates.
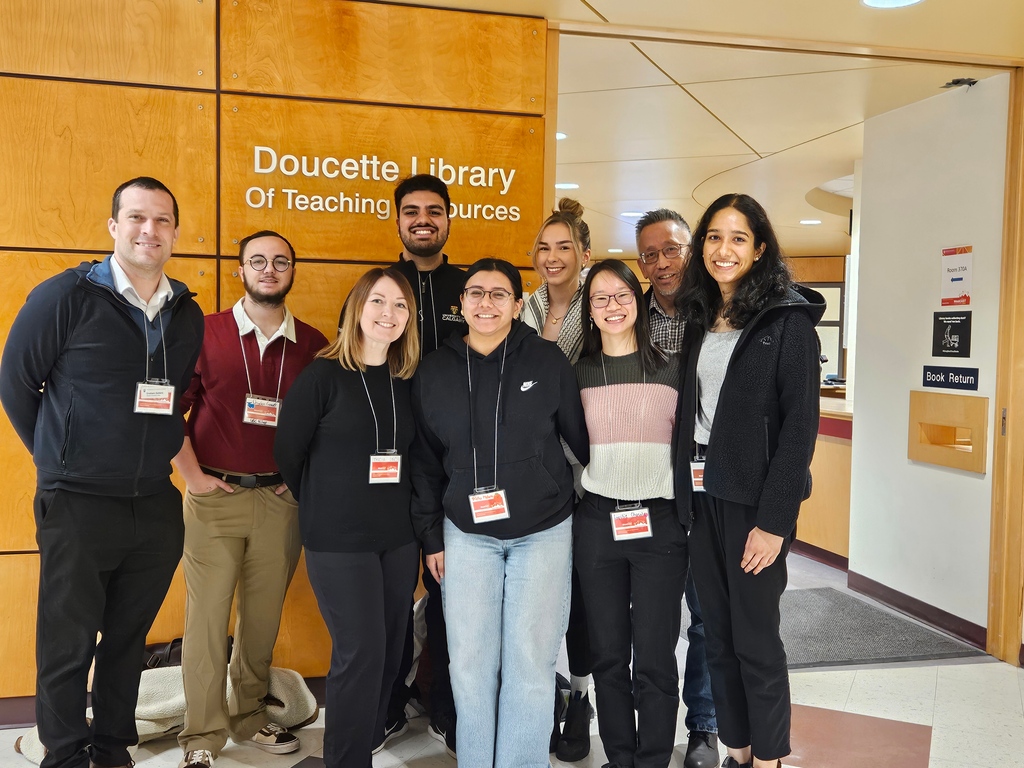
{"type": "Point", "coordinates": [819, 269]}
{"type": "Point", "coordinates": [166, 42]}
{"type": "Point", "coordinates": [825, 516]}
{"type": "Point", "coordinates": [20, 576]}
{"type": "Point", "coordinates": [316, 131]}
{"type": "Point", "coordinates": [385, 53]}
{"type": "Point", "coordinates": [316, 297]}
{"type": "Point", "coordinates": [200, 275]}
{"type": "Point", "coordinates": [65, 147]}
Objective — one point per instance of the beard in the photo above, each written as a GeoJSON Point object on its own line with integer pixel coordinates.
{"type": "Point", "coordinates": [420, 248]}
{"type": "Point", "coordinates": [270, 300]}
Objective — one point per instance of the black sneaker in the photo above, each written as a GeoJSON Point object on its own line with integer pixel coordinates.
{"type": "Point", "coordinates": [574, 744]}
{"type": "Point", "coordinates": [392, 730]}
{"type": "Point", "coordinates": [445, 733]}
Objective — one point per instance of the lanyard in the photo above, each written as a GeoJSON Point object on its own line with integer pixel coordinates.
{"type": "Point", "coordinates": [497, 405]}
{"type": "Point", "coordinates": [394, 417]}
{"type": "Point", "coordinates": [611, 421]}
{"type": "Point", "coordinates": [433, 313]}
{"type": "Point", "coordinates": [280, 373]}
{"type": "Point", "coordinates": [163, 343]}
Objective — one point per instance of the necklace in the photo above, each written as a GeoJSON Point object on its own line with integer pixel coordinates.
{"type": "Point", "coordinates": [554, 320]}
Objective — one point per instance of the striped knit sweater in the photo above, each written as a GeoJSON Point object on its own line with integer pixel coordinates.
{"type": "Point", "coordinates": [630, 420]}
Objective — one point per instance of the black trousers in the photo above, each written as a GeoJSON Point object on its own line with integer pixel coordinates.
{"type": "Point", "coordinates": [105, 564]}
{"type": "Point", "coordinates": [442, 703]}
{"type": "Point", "coordinates": [746, 657]}
{"type": "Point", "coordinates": [364, 600]}
{"type": "Point", "coordinates": [633, 592]}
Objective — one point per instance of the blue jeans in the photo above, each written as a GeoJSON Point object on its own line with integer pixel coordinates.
{"type": "Point", "coordinates": [506, 603]}
{"type": "Point", "coordinates": [700, 706]}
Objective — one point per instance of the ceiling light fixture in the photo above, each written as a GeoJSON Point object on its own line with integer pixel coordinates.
{"type": "Point", "coordinates": [632, 214]}
{"type": "Point", "coordinates": [614, 250]}
{"type": "Point", "coordinates": [567, 185]}
{"type": "Point", "coordinates": [559, 136]}
{"type": "Point", "coordinates": [810, 222]}
{"type": "Point", "coordinates": [889, 3]}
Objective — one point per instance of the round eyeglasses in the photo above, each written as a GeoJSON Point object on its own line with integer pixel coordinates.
{"type": "Point", "coordinates": [259, 263]}
{"type": "Point", "coordinates": [670, 251]}
{"type": "Point", "coordinates": [499, 296]}
{"type": "Point", "coordinates": [622, 298]}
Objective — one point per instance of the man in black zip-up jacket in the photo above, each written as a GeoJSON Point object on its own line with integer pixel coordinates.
{"type": "Point", "coordinates": [92, 370]}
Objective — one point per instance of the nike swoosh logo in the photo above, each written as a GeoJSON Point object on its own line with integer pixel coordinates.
{"type": "Point", "coordinates": [526, 385]}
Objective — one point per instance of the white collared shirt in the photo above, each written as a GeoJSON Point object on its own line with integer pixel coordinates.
{"type": "Point", "coordinates": [125, 288]}
{"type": "Point", "coordinates": [245, 325]}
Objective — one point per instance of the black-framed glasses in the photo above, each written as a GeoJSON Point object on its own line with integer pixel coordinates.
{"type": "Point", "coordinates": [499, 296]}
{"type": "Point", "coordinates": [259, 263]}
{"type": "Point", "coordinates": [674, 251]}
{"type": "Point", "coordinates": [622, 298]}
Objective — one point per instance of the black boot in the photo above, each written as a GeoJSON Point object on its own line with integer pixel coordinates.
{"type": "Point", "coordinates": [575, 742]}
{"type": "Point", "coordinates": [556, 732]}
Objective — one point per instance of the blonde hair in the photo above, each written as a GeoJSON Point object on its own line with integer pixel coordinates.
{"type": "Point", "coordinates": [403, 353]}
{"type": "Point", "coordinates": [570, 213]}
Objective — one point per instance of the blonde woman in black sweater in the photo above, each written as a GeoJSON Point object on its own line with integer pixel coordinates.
{"type": "Point", "coordinates": [342, 447]}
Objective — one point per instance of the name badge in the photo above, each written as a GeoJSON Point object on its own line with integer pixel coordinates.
{"type": "Point", "coordinates": [697, 476]}
{"type": "Point", "coordinates": [633, 523]}
{"type": "Point", "coordinates": [155, 396]}
{"type": "Point", "coordinates": [488, 504]}
{"type": "Point", "coordinates": [385, 468]}
{"type": "Point", "coordinates": [261, 410]}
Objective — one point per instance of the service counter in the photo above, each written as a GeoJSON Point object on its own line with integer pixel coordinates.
{"type": "Point", "coordinates": [823, 529]}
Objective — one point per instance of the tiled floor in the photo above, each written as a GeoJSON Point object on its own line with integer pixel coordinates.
{"type": "Point", "coordinates": [950, 714]}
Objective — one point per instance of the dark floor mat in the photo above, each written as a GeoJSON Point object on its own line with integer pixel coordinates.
{"type": "Point", "coordinates": [825, 627]}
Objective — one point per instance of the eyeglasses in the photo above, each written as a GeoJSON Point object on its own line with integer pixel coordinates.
{"type": "Point", "coordinates": [670, 251]}
{"type": "Point", "coordinates": [622, 298]}
{"type": "Point", "coordinates": [499, 296]}
{"type": "Point", "coordinates": [259, 263]}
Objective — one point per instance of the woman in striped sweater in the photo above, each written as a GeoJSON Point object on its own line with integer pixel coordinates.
{"type": "Point", "coordinates": [629, 545]}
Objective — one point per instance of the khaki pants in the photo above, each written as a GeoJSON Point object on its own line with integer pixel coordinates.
{"type": "Point", "coordinates": [247, 540]}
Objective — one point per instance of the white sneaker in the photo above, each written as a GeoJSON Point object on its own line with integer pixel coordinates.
{"type": "Point", "coordinates": [275, 738]}
{"type": "Point", "coordinates": [197, 758]}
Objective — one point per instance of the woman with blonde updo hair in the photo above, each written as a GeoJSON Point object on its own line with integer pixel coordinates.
{"type": "Point", "coordinates": [560, 252]}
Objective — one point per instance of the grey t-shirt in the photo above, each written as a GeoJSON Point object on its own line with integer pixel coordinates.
{"type": "Point", "coordinates": [715, 352]}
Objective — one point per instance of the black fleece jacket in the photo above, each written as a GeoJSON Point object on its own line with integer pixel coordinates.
{"type": "Point", "coordinates": [540, 403]}
{"type": "Point", "coordinates": [766, 421]}
{"type": "Point", "coordinates": [74, 355]}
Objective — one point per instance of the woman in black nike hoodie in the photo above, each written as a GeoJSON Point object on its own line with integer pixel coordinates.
{"type": "Point", "coordinates": [492, 502]}
{"type": "Point", "coordinates": [747, 422]}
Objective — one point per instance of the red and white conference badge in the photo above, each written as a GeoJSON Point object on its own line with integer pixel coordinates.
{"type": "Point", "coordinates": [262, 411]}
{"type": "Point", "coordinates": [385, 468]}
{"type": "Point", "coordinates": [632, 523]}
{"type": "Point", "coordinates": [488, 504]}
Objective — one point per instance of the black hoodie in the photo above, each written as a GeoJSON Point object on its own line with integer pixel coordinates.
{"type": "Point", "coordinates": [540, 403]}
{"type": "Point", "coordinates": [766, 420]}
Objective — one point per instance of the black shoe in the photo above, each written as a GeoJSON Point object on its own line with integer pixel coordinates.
{"type": "Point", "coordinates": [392, 730]}
{"type": "Point", "coordinates": [730, 762]}
{"type": "Point", "coordinates": [556, 731]}
{"type": "Point", "coordinates": [574, 743]}
{"type": "Point", "coordinates": [445, 733]}
{"type": "Point", "coordinates": [701, 750]}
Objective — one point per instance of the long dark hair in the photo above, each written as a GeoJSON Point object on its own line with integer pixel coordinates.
{"type": "Point", "coordinates": [700, 300]}
{"type": "Point", "coordinates": [651, 355]}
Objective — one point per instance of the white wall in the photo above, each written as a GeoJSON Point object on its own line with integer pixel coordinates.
{"type": "Point", "coordinates": [933, 177]}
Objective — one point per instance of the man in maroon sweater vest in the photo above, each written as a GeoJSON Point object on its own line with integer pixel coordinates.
{"type": "Point", "coordinates": [241, 522]}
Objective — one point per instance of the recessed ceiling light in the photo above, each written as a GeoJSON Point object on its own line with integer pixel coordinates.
{"type": "Point", "coordinates": [889, 3]}
{"type": "Point", "coordinates": [632, 214]}
{"type": "Point", "coordinates": [567, 185]}
{"type": "Point", "coordinates": [559, 135]}
{"type": "Point", "coordinates": [810, 222]}
{"type": "Point", "coordinates": [614, 250]}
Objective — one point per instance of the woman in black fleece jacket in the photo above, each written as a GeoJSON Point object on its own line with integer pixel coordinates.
{"type": "Point", "coordinates": [748, 419]}
{"type": "Point", "coordinates": [492, 502]}
{"type": "Point", "coordinates": [342, 446]}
